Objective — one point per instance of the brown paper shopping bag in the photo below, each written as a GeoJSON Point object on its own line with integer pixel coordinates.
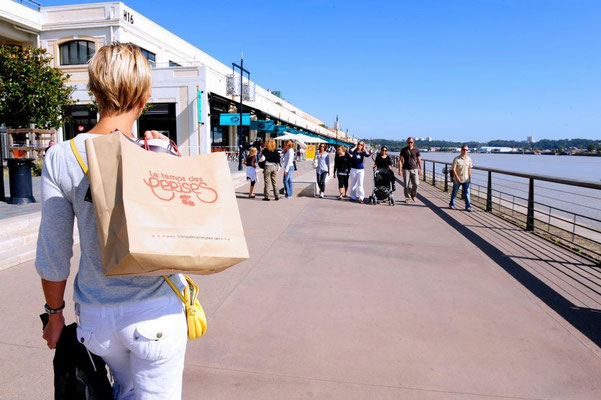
{"type": "Point", "coordinates": [158, 214]}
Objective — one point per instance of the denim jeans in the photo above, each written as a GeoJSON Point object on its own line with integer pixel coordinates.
{"type": "Point", "coordinates": [143, 343]}
{"type": "Point", "coordinates": [321, 180]}
{"type": "Point", "coordinates": [466, 194]}
{"type": "Point", "coordinates": [288, 183]}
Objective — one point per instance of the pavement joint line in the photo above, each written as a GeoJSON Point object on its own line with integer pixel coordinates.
{"type": "Point", "coordinates": [560, 320]}
{"type": "Point", "coordinates": [23, 346]}
{"type": "Point", "coordinates": [279, 235]}
{"type": "Point", "coordinates": [417, 389]}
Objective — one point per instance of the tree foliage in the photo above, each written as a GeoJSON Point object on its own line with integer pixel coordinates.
{"type": "Point", "coordinates": [31, 91]}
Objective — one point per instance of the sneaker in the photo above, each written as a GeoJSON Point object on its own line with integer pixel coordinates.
{"type": "Point", "coordinates": [321, 195]}
{"type": "Point", "coordinates": [451, 207]}
{"type": "Point", "coordinates": [407, 201]}
{"type": "Point", "coordinates": [468, 209]}
{"type": "Point", "coordinates": [265, 198]}
{"type": "Point", "coordinates": [277, 198]}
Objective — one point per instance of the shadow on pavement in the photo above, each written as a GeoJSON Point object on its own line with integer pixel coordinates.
{"type": "Point", "coordinates": [586, 320]}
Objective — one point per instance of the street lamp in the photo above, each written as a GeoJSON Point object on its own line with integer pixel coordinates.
{"type": "Point", "coordinates": [242, 71]}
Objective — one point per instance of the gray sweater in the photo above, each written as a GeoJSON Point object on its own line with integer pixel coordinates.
{"type": "Point", "coordinates": [64, 188]}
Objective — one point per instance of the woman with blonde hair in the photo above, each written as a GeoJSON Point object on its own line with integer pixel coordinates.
{"type": "Point", "coordinates": [272, 164]}
{"type": "Point", "coordinates": [251, 170]}
{"type": "Point", "coordinates": [357, 174]}
{"type": "Point", "coordinates": [288, 165]}
{"type": "Point", "coordinates": [135, 323]}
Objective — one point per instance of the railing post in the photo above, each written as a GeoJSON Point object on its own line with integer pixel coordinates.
{"type": "Point", "coordinates": [433, 173]}
{"type": "Point", "coordinates": [489, 193]}
{"type": "Point", "coordinates": [530, 212]}
{"type": "Point", "coordinates": [446, 177]}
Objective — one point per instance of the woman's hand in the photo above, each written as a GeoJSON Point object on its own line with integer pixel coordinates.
{"type": "Point", "coordinates": [155, 135]}
{"type": "Point", "coordinates": [53, 330]}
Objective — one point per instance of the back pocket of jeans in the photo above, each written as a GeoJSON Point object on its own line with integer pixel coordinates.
{"type": "Point", "coordinates": [86, 337]}
{"type": "Point", "coordinates": [156, 339]}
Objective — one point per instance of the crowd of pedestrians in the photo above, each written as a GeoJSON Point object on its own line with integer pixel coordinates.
{"type": "Point", "coordinates": [349, 170]}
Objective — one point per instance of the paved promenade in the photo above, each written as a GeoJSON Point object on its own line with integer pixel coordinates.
{"type": "Point", "coordinates": [348, 301]}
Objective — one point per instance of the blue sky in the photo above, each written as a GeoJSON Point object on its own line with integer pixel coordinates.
{"type": "Point", "coordinates": [451, 69]}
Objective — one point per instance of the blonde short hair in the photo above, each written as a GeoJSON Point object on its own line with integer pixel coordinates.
{"type": "Point", "coordinates": [252, 151]}
{"type": "Point", "coordinates": [120, 78]}
{"type": "Point", "coordinates": [270, 145]}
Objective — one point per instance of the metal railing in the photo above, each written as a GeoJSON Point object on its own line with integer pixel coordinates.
{"type": "Point", "coordinates": [565, 211]}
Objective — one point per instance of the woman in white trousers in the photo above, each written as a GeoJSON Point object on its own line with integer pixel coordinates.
{"type": "Point", "coordinates": [357, 176]}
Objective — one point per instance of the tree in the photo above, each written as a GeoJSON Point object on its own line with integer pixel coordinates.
{"type": "Point", "coordinates": [31, 91]}
{"type": "Point", "coordinates": [590, 147]}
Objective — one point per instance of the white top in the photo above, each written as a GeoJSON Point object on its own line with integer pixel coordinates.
{"type": "Point", "coordinates": [463, 166]}
{"type": "Point", "coordinates": [288, 160]}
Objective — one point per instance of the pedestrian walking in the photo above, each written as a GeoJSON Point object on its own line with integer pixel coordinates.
{"type": "Point", "coordinates": [251, 170]}
{"type": "Point", "coordinates": [357, 175]}
{"type": "Point", "coordinates": [288, 165]}
{"type": "Point", "coordinates": [272, 165]}
{"type": "Point", "coordinates": [384, 163]}
{"type": "Point", "coordinates": [462, 175]}
{"type": "Point", "coordinates": [136, 324]}
{"type": "Point", "coordinates": [410, 168]}
{"type": "Point", "coordinates": [322, 161]}
{"type": "Point", "coordinates": [342, 169]}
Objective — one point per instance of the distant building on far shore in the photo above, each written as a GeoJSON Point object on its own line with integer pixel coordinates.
{"type": "Point", "coordinates": [530, 139]}
{"type": "Point", "coordinates": [494, 149]}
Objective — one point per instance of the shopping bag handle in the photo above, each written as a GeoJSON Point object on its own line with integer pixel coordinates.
{"type": "Point", "coordinates": [171, 143]}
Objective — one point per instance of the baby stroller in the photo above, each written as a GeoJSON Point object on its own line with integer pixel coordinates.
{"type": "Point", "coordinates": [382, 187]}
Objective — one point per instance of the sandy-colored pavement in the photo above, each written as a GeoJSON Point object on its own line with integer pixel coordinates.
{"type": "Point", "coordinates": [345, 301]}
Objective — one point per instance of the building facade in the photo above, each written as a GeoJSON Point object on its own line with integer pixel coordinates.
{"type": "Point", "coordinates": [189, 86]}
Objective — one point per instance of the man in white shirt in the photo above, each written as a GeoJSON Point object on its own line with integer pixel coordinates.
{"type": "Point", "coordinates": [462, 174]}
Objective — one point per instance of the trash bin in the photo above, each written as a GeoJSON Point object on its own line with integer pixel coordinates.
{"type": "Point", "coordinates": [20, 182]}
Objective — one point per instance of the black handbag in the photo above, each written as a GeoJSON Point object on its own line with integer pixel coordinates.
{"type": "Point", "coordinates": [78, 374]}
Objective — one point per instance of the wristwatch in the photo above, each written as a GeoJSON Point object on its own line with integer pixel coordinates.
{"type": "Point", "coordinates": [54, 310]}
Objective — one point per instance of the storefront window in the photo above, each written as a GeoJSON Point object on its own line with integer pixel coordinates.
{"type": "Point", "coordinates": [80, 119]}
{"type": "Point", "coordinates": [151, 57]}
{"type": "Point", "coordinates": [76, 52]}
{"type": "Point", "coordinates": [160, 117]}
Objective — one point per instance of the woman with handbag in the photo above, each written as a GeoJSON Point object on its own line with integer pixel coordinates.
{"type": "Point", "coordinates": [322, 163]}
{"type": "Point", "coordinates": [342, 169]}
{"type": "Point", "coordinates": [136, 324]}
{"type": "Point", "coordinates": [272, 164]}
{"type": "Point", "coordinates": [251, 170]}
{"type": "Point", "coordinates": [289, 167]}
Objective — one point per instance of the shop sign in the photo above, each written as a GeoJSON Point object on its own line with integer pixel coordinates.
{"type": "Point", "coordinates": [279, 129]}
{"type": "Point", "coordinates": [234, 119]}
{"type": "Point", "coordinates": [260, 125]}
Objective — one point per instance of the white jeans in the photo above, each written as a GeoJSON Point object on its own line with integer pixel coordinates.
{"type": "Point", "coordinates": [143, 344]}
{"type": "Point", "coordinates": [356, 184]}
